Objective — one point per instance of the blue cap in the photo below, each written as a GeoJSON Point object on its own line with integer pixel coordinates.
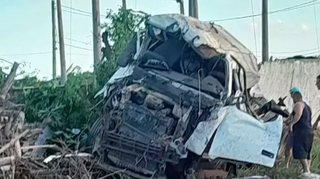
{"type": "Point", "coordinates": [295, 90]}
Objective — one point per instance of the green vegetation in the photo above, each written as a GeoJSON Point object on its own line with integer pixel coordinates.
{"type": "Point", "coordinates": [120, 31]}
{"type": "Point", "coordinates": [74, 106]}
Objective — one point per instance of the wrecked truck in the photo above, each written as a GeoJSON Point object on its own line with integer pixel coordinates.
{"type": "Point", "coordinates": [179, 103]}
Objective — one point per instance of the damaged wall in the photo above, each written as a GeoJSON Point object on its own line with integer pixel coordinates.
{"type": "Point", "coordinates": [278, 77]}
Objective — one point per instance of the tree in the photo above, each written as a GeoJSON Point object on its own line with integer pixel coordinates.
{"type": "Point", "coordinates": [118, 31]}
{"type": "Point", "coordinates": [74, 106]}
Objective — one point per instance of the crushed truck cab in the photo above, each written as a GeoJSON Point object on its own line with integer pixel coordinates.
{"type": "Point", "coordinates": [179, 99]}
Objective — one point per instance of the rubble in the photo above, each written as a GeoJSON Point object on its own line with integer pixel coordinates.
{"type": "Point", "coordinates": [18, 146]}
{"type": "Point", "coordinates": [11, 122]}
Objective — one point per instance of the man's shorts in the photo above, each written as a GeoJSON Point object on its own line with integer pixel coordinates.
{"type": "Point", "coordinates": [302, 144]}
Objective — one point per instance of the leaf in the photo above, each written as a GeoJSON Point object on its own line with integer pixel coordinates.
{"type": "Point", "coordinates": [69, 106]}
{"type": "Point", "coordinates": [58, 133]}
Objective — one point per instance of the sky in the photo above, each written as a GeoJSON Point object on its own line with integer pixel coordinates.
{"type": "Point", "coordinates": [26, 36]}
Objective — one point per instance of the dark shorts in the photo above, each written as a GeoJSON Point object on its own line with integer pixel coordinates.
{"type": "Point", "coordinates": [289, 142]}
{"type": "Point", "coordinates": [302, 145]}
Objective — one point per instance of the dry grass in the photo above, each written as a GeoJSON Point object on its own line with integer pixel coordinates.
{"type": "Point", "coordinates": [279, 171]}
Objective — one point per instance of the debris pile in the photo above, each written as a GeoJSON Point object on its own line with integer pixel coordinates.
{"type": "Point", "coordinates": [17, 147]}
{"type": "Point", "coordinates": [11, 123]}
{"type": "Point", "coordinates": [64, 167]}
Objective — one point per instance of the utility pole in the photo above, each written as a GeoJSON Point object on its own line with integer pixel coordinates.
{"type": "Point", "coordinates": [265, 36]}
{"type": "Point", "coordinates": [193, 9]}
{"type": "Point", "coordinates": [61, 45]}
{"type": "Point", "coordinates": [124, 4]}
{"type": "Point", "coordinates": [181, 6]}
{"type": "Point", "coordinates": [96, 37]}
{"type": "Point", "coordinates": [54, 62]}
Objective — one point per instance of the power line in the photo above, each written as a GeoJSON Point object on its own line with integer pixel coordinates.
{"type": "Point", "coordinates": [82, 48]}
{"type": "Point", "coordinates": [316, 25]}
{"type": "Point", "coordinates": [75, 9]}
{"type": "Point", "coordinates": [310, 51]}
{"type": "Point", "coordinates": [70, 49]}
{"type": "Point", "coordinates": [290, 8]}
{"type": "Point", "coordinates": [86, 15]}
{"type": "Point", "coordinates": [38, 53]}
{"type": "Point", "coordinates": [43, 53]}
{"type": "Point", "coordinates": [80, 54]}
{"type": "Point", "coordinates": [78, 47]}
{"type": "Point", "coordinates": [74, 40]}
{"type": "Point", "coordinates": [4, 60]}
{"type": "Point", "coordinates": [296, 51]}
{"type": "Point", "coordinates": [79, 11]}
{"type": "Point", "coordinates": [254, 28]}
{"type": "Point", "coordinates": [25, 54]}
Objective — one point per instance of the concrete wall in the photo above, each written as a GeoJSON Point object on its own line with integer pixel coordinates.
{"type": "Point", "coordinates": [278, 77]}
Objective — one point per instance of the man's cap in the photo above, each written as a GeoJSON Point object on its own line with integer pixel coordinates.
{"type": "Point", "coordinates": [295, 90]}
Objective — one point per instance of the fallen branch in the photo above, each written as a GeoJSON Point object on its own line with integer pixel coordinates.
{"type": "Point", "coordinates": [47, 172]}
{"type": "Point", "coordinates": [8, 82]}
{"type": "Point", "coordinates": [17, 146]}
{"type": "Point", "coordinates": [12, 142]}
{"type": "Point", "coordinates": [36, 131]}
{"type": "Point", "coordinates": [51, 157]}
{"type": "Point", "coordinates": [38, 147]}
{"type": "Point", "coordinates": [6, 160]}
{"type": "Point", "coordinates": [111, 174]}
